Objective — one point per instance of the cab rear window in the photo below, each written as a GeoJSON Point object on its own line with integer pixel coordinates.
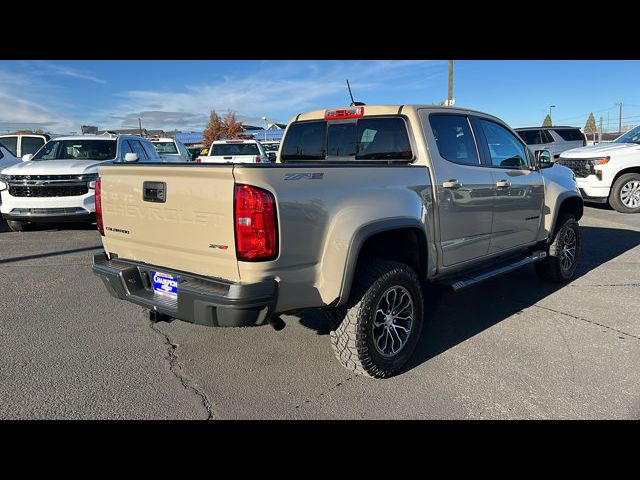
{"type": "Point", "coordinates": [370, 138]}
{"type": "Point", "coordinates": [234, 149]}
{"type": "Point", "coordinates": [569, 134]}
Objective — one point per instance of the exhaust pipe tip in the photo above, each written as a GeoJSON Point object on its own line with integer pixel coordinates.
{"type": "Point", "coordinates": [277, 323]}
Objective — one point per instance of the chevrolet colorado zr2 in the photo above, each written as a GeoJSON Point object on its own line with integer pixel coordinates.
{"type": "Point", "coordinates": [364, 206]}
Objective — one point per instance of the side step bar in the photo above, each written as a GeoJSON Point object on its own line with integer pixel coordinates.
{"type": "Point", "coordinates": [463, 281]}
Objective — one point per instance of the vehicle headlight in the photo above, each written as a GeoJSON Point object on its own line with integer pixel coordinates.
{"type": "Point", "coordinates": [598, 160]}
{"type": "Point", "coordinates": [5, 178]}
{"type": "Point", "coordinates": [90, 178]}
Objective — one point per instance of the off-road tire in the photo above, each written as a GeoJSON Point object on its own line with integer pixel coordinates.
{"type": "Point", "coordinates": [352, 340]}
{"type": "Point", "coordinates": [17, 226]}
{"type": "Point", "coordinates": [551, 269]}
{"type": "Point", "coordinates": [615, 199]}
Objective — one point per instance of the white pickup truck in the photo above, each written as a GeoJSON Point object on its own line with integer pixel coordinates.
{"type": "Point", "coordinates": [235, 151]}
{"type": "Point", "coordinates": [57, 184]}
{"type": "Point", "coordinates": [609, 173]}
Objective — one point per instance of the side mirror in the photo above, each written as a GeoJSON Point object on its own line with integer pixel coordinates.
{"type": "Point", "coordinates": [130, 157]}
{"type": "Point", "coordinates": [27, 157]}
{"type": "Point", "coordinates": [543, 159]}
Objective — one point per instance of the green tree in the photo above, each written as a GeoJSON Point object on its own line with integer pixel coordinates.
{"type": "Point", "coordinates": [590, 126]}
{"type": "Point", "coordinates": [547, 121]}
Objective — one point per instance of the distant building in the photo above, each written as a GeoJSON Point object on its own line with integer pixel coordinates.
{"type": "Point", "coordinates": [273, 135]}
{"type": "Point", "coordinates": [125, 131]}
{"type": "Point", "coordinates": [88, 129]}
{"type": "Point", "coordinates": [193, 139]}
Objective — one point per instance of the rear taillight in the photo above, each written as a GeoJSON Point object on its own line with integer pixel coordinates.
{"type": "Point", "coordinates": [198, 160]}
{"type": "Point", "coordinates": [258, 160]}
{"type": "Point", "coordinates": [98, 200]}
{"type": "Point", "coordinates": [255, 224]}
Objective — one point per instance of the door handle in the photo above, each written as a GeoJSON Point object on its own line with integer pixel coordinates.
{"type": "Point", "coordinates": [503, 184]}
{"type": "Point", "coordinates": [452, 184]}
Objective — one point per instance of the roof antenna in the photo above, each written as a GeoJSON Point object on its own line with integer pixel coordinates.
{"type": "Point", "coordinates": [353, 102]}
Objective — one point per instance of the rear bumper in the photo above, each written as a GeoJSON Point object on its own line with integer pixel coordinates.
{"type": "Point", "coordinates": [200, 300]}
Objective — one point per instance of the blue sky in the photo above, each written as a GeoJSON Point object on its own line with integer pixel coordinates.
{"type": "Point", "coordinates": [59, 96]}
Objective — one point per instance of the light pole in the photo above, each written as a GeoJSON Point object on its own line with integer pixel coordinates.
{"type": "Point", "coordinates": [265, 128]}
{"type": "Point", "coordinates": [550, 107]}
{"type": "Point", "coordinates": [620, 118]}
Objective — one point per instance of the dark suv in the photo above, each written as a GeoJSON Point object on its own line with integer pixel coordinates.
{"type": "Point", "coordinates": [554, 139]}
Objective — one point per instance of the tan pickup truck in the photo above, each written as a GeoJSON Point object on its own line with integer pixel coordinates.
{"type": "Point", "coordinates": [364, 206]}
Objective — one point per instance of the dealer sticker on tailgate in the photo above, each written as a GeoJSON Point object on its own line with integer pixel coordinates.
{"type": "Point", "coordinates": [164, 284]}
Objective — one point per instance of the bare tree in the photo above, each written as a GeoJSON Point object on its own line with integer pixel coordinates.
{"type": "Point", "coordinates": [214, 130]}
{"type": "Point", "coordinates": [231, 127]}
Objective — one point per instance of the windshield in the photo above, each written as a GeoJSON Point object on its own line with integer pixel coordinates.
{"type": "Point", "coordinates": [270, 147]}
{"type": "Point", "coordinates": [234, 149]}
{"type": "Point", "coordinates": [165, 147]}
{"type": "Point", "coordinates": [97, 150]}
{"type": "Point", "coordinates": [632, 136]}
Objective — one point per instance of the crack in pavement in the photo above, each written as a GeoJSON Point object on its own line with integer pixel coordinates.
{"type": "Point", "coordinates": [331, 389]}
{"type": "Point", "coordinates": [176, 368]}
{"type": "Point", "coordinates": [583, 319]}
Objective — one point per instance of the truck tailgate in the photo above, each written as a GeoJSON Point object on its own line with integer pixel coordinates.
{"type": "Point", "coordinates": [191, 230]}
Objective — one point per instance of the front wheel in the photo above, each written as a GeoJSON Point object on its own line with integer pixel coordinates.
{"type": "Point", "coordinates": [625, 193]}
{"type": "Point", "coordinates": [564, 250]}
{"type": "Point", "coordinates": [381, 326]}
{"type": "Point", "coordinates": [17, 226]}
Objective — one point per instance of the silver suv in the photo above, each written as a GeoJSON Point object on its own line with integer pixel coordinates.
{"type": "Point", "coordinates": [554, 139]}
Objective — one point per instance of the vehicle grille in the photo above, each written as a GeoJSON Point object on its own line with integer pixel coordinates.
{"type": "Point", "coordinates": [581, 167]}
{"type": "Point", "coordinates": [45, 177]}
{"type": "Point", "coordinates": [48, 191]}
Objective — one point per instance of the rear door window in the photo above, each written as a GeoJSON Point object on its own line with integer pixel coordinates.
{"type": "Point", "coordinates": [533, 137]}
{"type": "Point", "coordinates": [454, 139]}
{"type": "Point", "coordinates": [11, 144]}
{"type": "Point", "coordinates": [31, 145]}
{"type": "Point", "coordinates": [570, 134]}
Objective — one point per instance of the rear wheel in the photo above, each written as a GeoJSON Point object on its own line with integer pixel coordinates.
{"type": "Point", "coordinates": [17, 226]}
{"type": "Point", "coordinates": [625, 193]}
{"type": "Point", "coordinates": [564, 250]}
{"type": "Point", "coordinates": [381, 326]}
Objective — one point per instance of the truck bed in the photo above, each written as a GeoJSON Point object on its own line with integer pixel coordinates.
{"type": "Point", "coordinates": [317, 205]}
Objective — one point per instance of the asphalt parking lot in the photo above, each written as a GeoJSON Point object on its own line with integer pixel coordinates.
{"type": "Point", "coordinates": [512, 347]}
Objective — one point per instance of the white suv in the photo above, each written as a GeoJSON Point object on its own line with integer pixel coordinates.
{"type": "Point", "coordinates": [170, 149]}
{"type": "Point", "coordinates": [609, 172]}
{"type": "Point", "coordinates": [57, 184]}
{"type": "Point", "coordinates": [21, 144]}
